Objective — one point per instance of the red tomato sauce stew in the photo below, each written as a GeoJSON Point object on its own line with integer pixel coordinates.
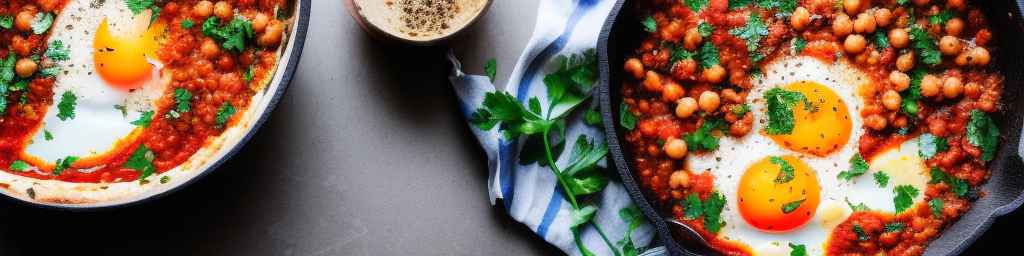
{"type": "Point", "coordinates": [931, 72]}
{"type": "Point", "coordinates": [220, 78]}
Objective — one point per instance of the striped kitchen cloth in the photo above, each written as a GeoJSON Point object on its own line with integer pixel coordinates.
{"type": "Point", "coordinates": [530, 193]}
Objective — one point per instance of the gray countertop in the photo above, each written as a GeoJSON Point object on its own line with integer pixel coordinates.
{"type": "Point", "coordinates": [365, 155]}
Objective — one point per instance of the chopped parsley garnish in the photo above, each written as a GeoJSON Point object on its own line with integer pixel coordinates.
{"type": "Point", "coordinates": [123, 109]}
{"type": "Point", "coordinates": [859, 207]}
{"type": "Point", "coordinates": [752, 32]}
{"type": "Point", "coordinates": [956, 185]}
{"type": "Point", "coordinates": [881, 40]}
{"type": "Point", "coordinates": [780, 103]}
{"type": "Point", "coordinates": [6, 21]}
{"type": "Point", "coordinates": [733, 4]}
{"type": "Point", "coordinates": [786, 171]}
{"type": "Point", "coordinates": [182, 102]}
{"type": "Point", "coordinates": [936, 205]}
{"type": "Point", "coordinates": [894, 227]}
{"type": "Point", "coordinates": [941, 18]}
{"type": "Point", "coordinates": [19, 165]}
{"type": "Point", "coordinates": [679, 53]}
{"type": "Point", "coordinates": [930, 145]}
{"type": "Point", "coordinates": [42, 23]}
{"type": "Point", "coordinates": [187, 24]}
{"type": "Point", "coordinates": [57, 52]}
{"type": "Point", "coordinates": [712, 212]}
{"type": "Point", "coordinates": [145, 118]}
{"type": "Point", "coordinates": [491, 69]}
{"type": "Point", "coordinates": [702, 139]}
{"type": "Point", "coordinates": [63, 164]}
{"type": "Point", "coordinates": [983, 133]}
{"type": "Point", "coordinates": [47, 135]}
{"type": "Point", "coordinates": [708, 55]}
{"type": "Point", "coordinates": [250, 73]}
{"type": "Point", "coordinates": [785, 7]}
{"type": "Point", "coordinates": [66, 107]}
{"type": "Point", "coordinates": [705, 29]}
{"type": "Point", "coordinates": [798, 45]}
{"type": "Point", "coordinates": [592, 117]}
{"type": "Point", "coordinates": [165, 179]}
{"type": "Point", "coordinates": [905, 195]}
{"type": "Point", "coordinates": [902, 2]}
{"type": "Point", "coordinates": [649, 24]}
{"type": "Point", "coordinates": [797, 250]}
{"type": "Point", "coordinates": [792, 206]}
{"type": "Point", "coordinates": [912, 94]}
{"type": "Point", "coordinates": [925, 46]}
{"type": "Point", "coordinates": [696, 5]}
{"type": "Point", "coordinates": [861, 235]}
{"type": "Point", "coordinates": [137, 6]}
{"type": "Point", "coordinates": [881, 179]}
{"type": "Point", "coordinates": [626, 118]}
{"type": "Point", "coordinates": [858, 167]}
{"type": "Point", "coordinates": [232, 35]}
{"type": "Point", "coordinates": [224, 114]}
{"type": "Point", "coordinates": [740, 110]}
{"type": "Point", "coordinates": [694, 207]}
{"type": "Point", "coordinates": [142, 161]}
{"type": "Point", "coordinates": [6, 77]}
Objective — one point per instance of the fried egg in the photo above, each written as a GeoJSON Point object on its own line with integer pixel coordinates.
{"type": "Point", "coordinates": [766, 215]}
{"type": "Point", "coordinates": [113, 72]}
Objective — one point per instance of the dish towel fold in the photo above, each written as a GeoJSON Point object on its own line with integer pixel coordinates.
{"type": "Point", "coordinates": [530, 193]}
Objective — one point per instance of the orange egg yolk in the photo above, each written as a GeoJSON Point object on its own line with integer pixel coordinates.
{"type": "Point", "coordinates": [772, 203]}
{"type": "Point", "coordinates": [121, 60]}
{"type": "Point", "coordinates": [821, 130]}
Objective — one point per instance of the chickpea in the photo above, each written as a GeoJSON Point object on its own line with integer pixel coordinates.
{"type": "Point", "coordinates": [714, 74]}
{"type": "Point", "coordinates": [855, 44]}
{"type": "Point", "coordinates": [209, 49]}
{"type": "Point", "coordinates": [223, 10]}
{"type": "Point", "coordinates": [685, 107]}
{"type": "Point", "coordinates": [978, 56]}
{"type": "Point", "coordinates": [679, 179]}
{"type": "Point", "coordinates": [952, 87]}
{"type": "Point", "coordinates": [852, 6]}
{"type": "Point", "coordinates": [956, 4]}
{"type": "Point", "coordinates": [692, 39]}
{"type": "Point", "coordinates": [905, 62]}
{"type": "Point", "coordinates": [883, 17]}
{"type": "Point", "coordinates": [272, 35]}
{"type": "Point", "coordinates": [259, 22]}
{"type": "Point", "coordinates": [202, 9]}
{"type": "Point", "coordinates": [954, 26]}
{"type": "Point", "coordinates": [875, 122]}
{"type": "Point", "coordinates": [937, 126]}
{"type": "Point", "coordinates": [865, 23]}
{"type": "Point", "coordinates": [899, 80]}
{"type": "Point", "coordinates": [800, 18]}
{"type": "Point", "coordinates": [891, 100]}
{"type": "Point", "coordinates": [709, 101]}
{"type": "Point", "coordinates": [949, 45]}
{"type": "Point", "coordinates": [899, 38]}
{"type": "Point", "coordinates": [23, 22]}
{"type": "Point", "coordinates": [731, 96]}
{"type": "Point", "coordinates": [675, 148]}
{"type": "Point", "coordinates": [672, 91]}
{"type": "Point", "coordinates": [653, 81]}
{"type": "Point", "coordinates": [635, 67]}
{"type": "Point", "coordinates": [25, 67]}
{"type": "Point", "coordinates": [962, 59]}
{"type": "Point", "coordinates": [921, 2]}
{"type": "Point", "coordinates": [930, 85]}
{"type": "Point", "coordinates": [841, 25]}
{"type": "Point", "coordinates": [972, 90]}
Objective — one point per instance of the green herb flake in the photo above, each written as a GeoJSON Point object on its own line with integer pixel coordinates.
{"type": "Point", "coordinates": [858, 167]}
{"type": "Point", "coordinates": [224, 114]}
{"type": "Point", "coordinates": [712, 212]}
{"type": "Point", "coordinates": [894, 227]}
{"type": "Point", "coordinates": [881, 40]}
{"type": "Point", "coordinates": [123, 109]}
{"type": "Point", "coordinates": [797, 250]}
{"type": "Point", "coordinates": [941, 18]}
{"type": "Point", "coordinates": [42, 23]}
{"type": "Point", "coordinates": [780, 103]}
{"type": "Point", "coordinates": [145, 118]}
{"type": "Point", "coordinates": [57, 51]}
{"type": "Point", "coordinates": [983, 133]}
{"type": "Point", "coordinates": [66, 107]}
{"type": "Point", "coordinates": [165, 179]}
{"type": "Point", "coordinates": [936, 206]}
{"type": "Point", "coordinates": [649, 24]}
{"type": "Point", "coordinates": [786, 171]}
{"type": "Point", "coordinates": [142, 161]}
{"type": "Point", "coordinates": [705, 29]}
{"type": "Point", "coordinates": [137, 6]}
{"type": "Point", "coordinates": [19, 166]}
{"type": "Point", "coordinates": [792, 206]}
{"type": "Point", "coordinates": [752, 32]}
{"type": "Point", "coordinates": [881, 179]}
{"type": "Point", "coordinates": [626, 118]}
{"type": "Point", "coordinates": [47, 135]}
{"type": "Point", "coordinates": [956, 185]}
{"type": "Point", "coordinates": [859, 207]}
{"type": "Point", "coordinates": [925, 46]}
{"type": "Point", "coordinates": [592, 117]}
{"type": "Point", "coordinates": [702, 139]}
{"type": "Point", "coordinates": [861, 235]}
{"type": "Point", "coordinates": [232, 36]}
{"type": "Point", "coordinates": [798, 45]}
{"type": "Point", "coordinates": [693, 207]}
{"type": "Point", "coordinates": [491, 68]}
{"type": "Point", "coordinates": [6, 21]}
{"type": "Point", "coordinates": [905, 195]}
{"type": "Point", "coordinates": [708, 55]}
{"type": "Point", "coordinates": [63, 164]}
{"type": "Point", "coordinates": [187, 24]}
{"type": "Point", "coordinates": [740, 110]}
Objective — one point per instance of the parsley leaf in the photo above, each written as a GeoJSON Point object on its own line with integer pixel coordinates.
{"type": "Point", "coordinates": [925, 46]}
{"type": "Point", "coordinates": [792, 206]}
{"type": "Point", "coordinates": [165, 179]}
{"type": "Point", "coordinates": [19, 165]}
{"type": "Point", "coordinates": [740, 110]}
{"type": "Point", "coordinates": [983, 133]}
{"type": "Point", "coordinates": [705, 29]}
{"type": "Point", "coordinates": [42, 23]}
{"type": "Point", "coordinates": [798, 45]}
{"type": "Point", "coordinates": [881, 179]}
{"type": "Point", "coordinates": [182, 103]}
{"type": "Point", "coordinates": [797, 250]}
{"type": "Point", "coordinates": [941, 18]}
{"type": "Point", "coordinates": [224, 114]}
{"type": "Point", "coordinates": [680, 53]}
{"type": "Point", "coordinates": [881, 40]}
{"type": "Point", "coordinates": [752, 32]}
{"type": "Point", "coordinates": [956, 185]}
{"type": "Point", "coordinates": [187, 24]}
{"type": "Point", "coordinates": [491, 68]}
{"type": "Point", "coordinates": [47, 135]}
{"type": "Point", "coordinates": [712, 212]}
{"type": "Point", "coordinates": [571, 83]}
{"type": "Point", "coordinates": [733, 4]}
{"type": "Point", "coordinates": [894, 227]}
{"type": "Point", "coordinates": [145, 118]}
{"type": "Point", "coordinates": [702, 139]}
{"type": "Point", "coordinates": [693, 207]}
{"type": "Point", "coordinates": [137, 6]}
{"type": "Point", "coordinates": [626, 118]}
{"type": "Point", "coordinates": [936, 205]}
{"type": "Point", "coordinates": [930, 145]}
{"type": "Point", "coordinates": [905, 195]}
{"type": "Point", "coordinates": [6, 21]}
{"type": "Point", "coordinates": [785, 7]}
{"type": "Point", "coordinates": [708, 55]}
{"type": "Point", "coordinates": [913, 94]}
{"type": "Point", "coordinates": [780, 103]}
{"type": "Point", "coordinates": [142, 161]}
{"type": "Point", "coordinates": [63, 164]}
{"type": "Point", "coordinates": [696, 5]}
{"type": "Point", "coordinates": [582, 215]}
{"type": "Point", "coordinates": [232, 35]}
{"type": "Point", "coordinates": [649, 24]}
{"type": "Point", "coordinates": [858, 167]}
{"type": "Point", "coordinates": [786, 171]}
{"type": "Point", "coordinates": [860, 207]}
{"type": "Point", "coordinates": [902, 2]}
{"type": "Point", "coordinates": [66, 107]}
{"type": "Point", "coordinates": [592, 118]}
{"type": "Point", "coordinates": [861, 235]}
{"type": "Point", "coordinates": [57, 52]}
{"type": "Point", "coordinates": [633, 218]}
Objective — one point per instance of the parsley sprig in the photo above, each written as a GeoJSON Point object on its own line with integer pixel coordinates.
{"type": "Point", "coordinates": [780, 103]}
{"type": "Point", "coordinates": [858, 167]}
{"type": "Point", "coordinates": [983, 133]}
{"type": "Point", "coordinates": [232, 36]}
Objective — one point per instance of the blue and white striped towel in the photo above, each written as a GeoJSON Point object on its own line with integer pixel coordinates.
{"type": "Point", "coordinates": [529, 192]}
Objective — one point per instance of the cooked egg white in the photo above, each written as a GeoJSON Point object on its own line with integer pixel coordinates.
{"type": "Point", "coordinates": [821, 146]}
{"type": "Point", "coordinates": [112, 63]}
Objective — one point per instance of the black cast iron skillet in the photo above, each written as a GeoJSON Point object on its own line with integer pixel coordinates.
{"type": "Point", "coordinates": [622, 34]}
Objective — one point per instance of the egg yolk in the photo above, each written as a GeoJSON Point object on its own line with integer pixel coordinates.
{"type": "Point", "coordinates": [121, 60]}
{"type": "Point", "coordinates": [820, 129]}
{"type": "Point", "coordinates": [771, 202]}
